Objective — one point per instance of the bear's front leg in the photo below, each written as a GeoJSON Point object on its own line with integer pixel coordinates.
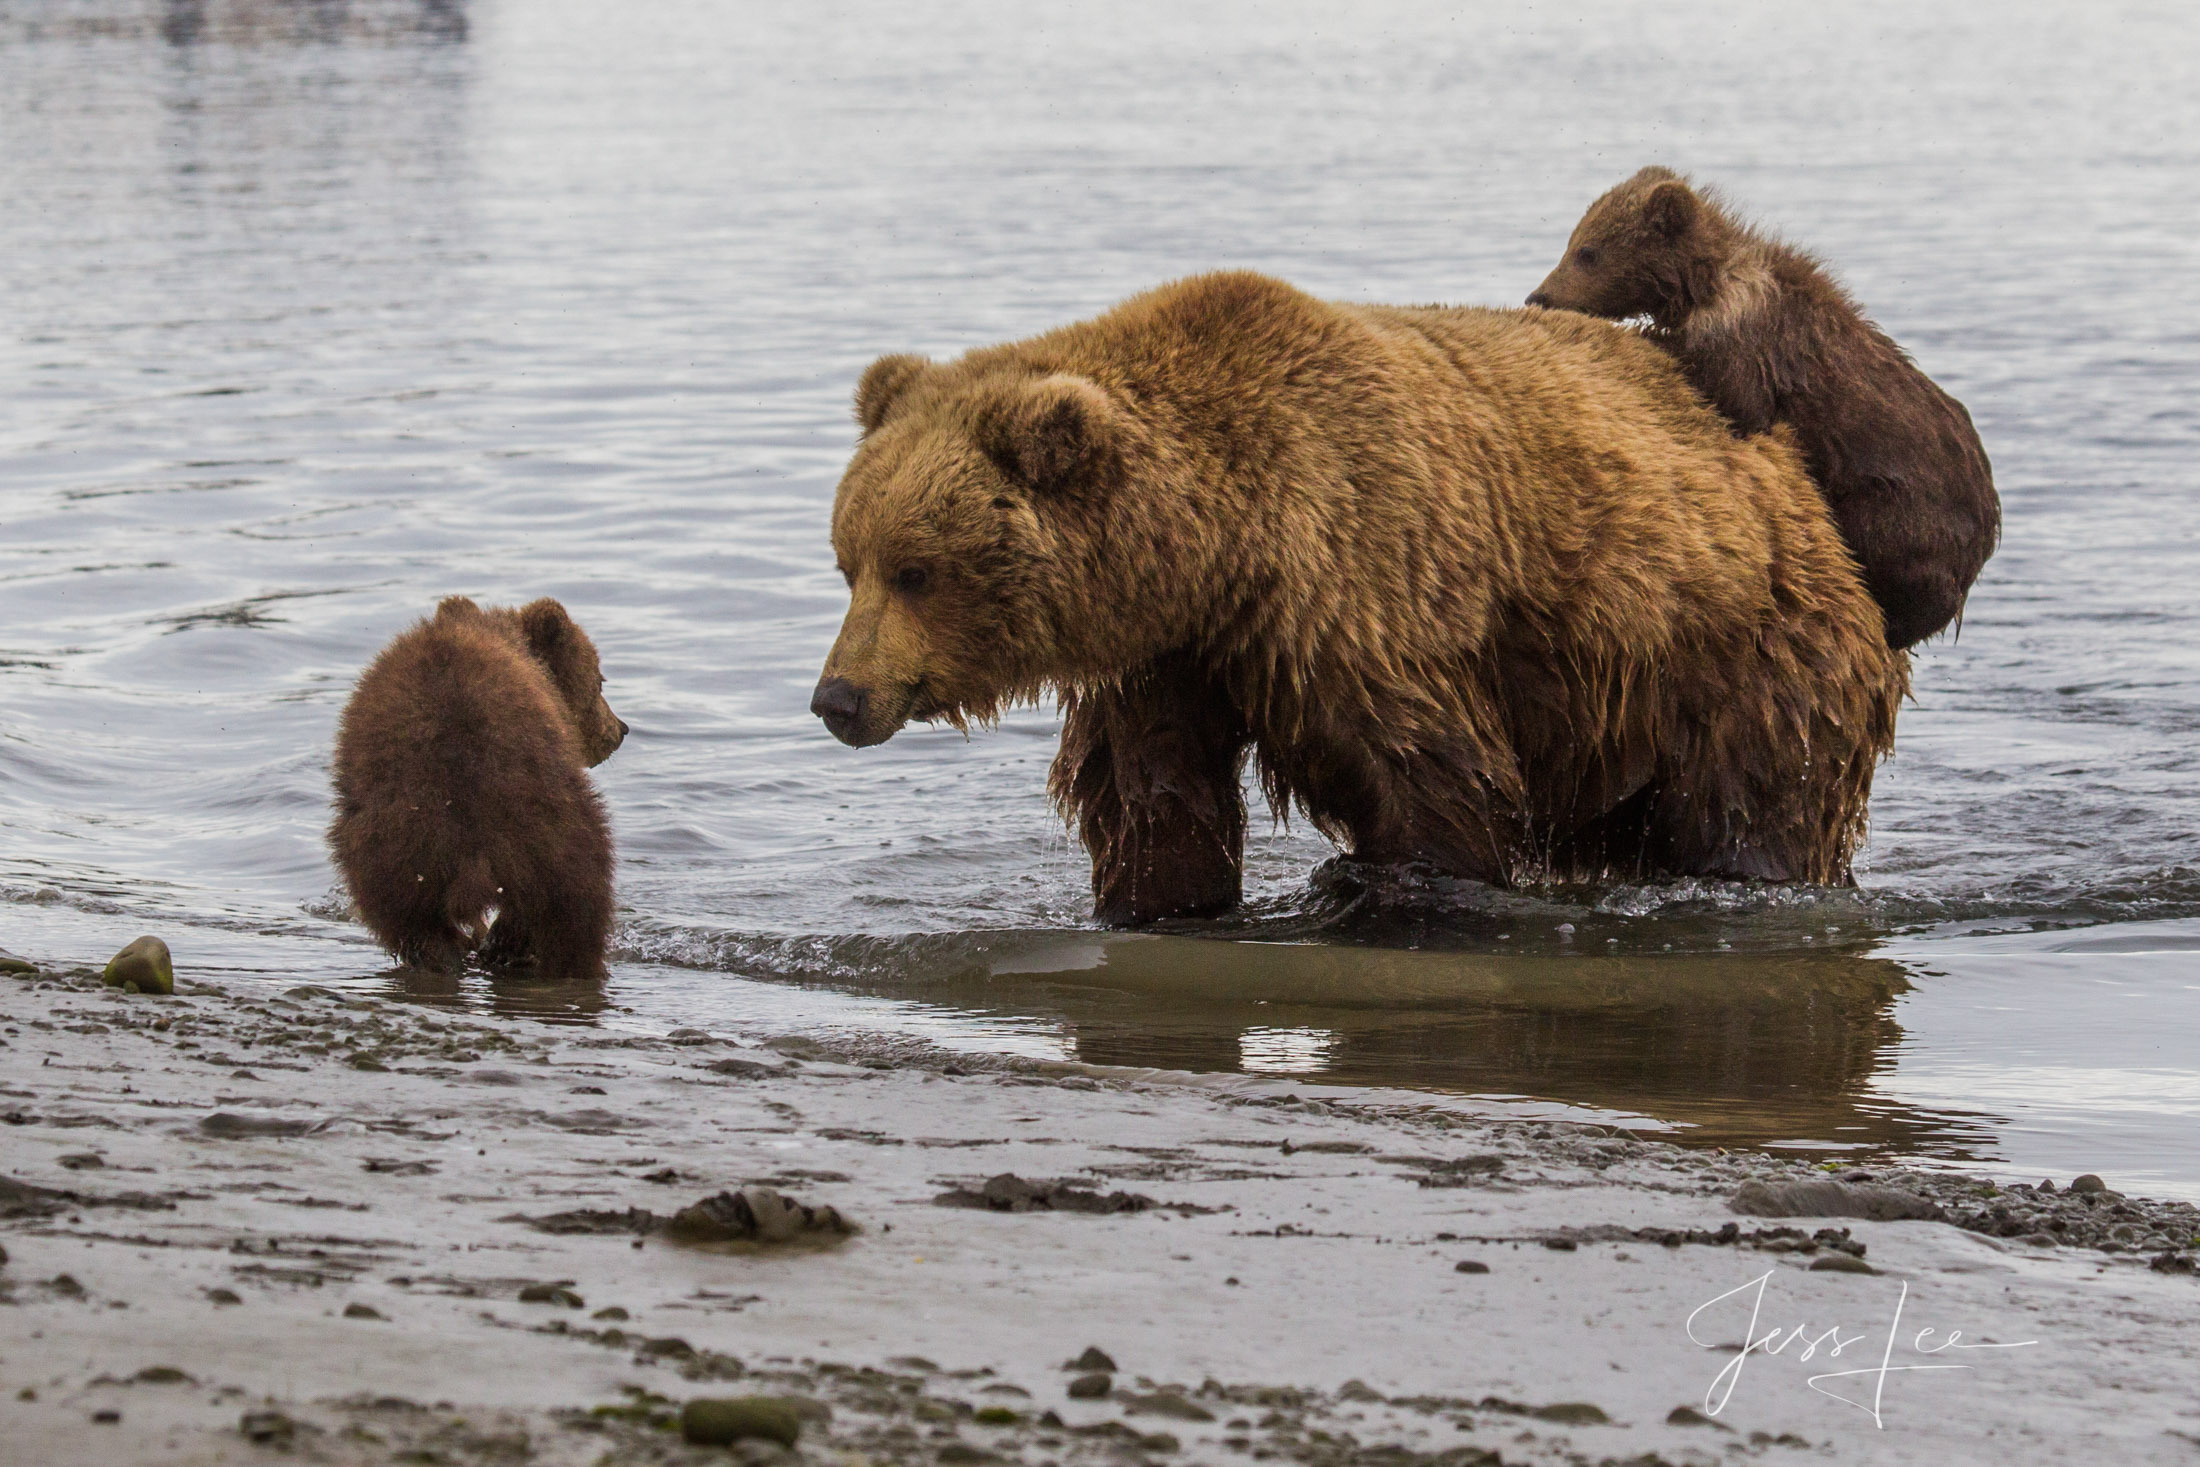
{"type": "Point", "coordinates": [1148, 770]}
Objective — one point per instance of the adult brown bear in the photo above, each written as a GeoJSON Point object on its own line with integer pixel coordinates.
{"type": "Point", "coordinates": [1494, 590]}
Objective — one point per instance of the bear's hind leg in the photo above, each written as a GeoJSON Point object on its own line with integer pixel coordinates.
{"type": "Point", "coordinates": [1148, 770]}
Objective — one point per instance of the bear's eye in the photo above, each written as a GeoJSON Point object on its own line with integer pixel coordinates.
{"type": "Point", "coordinates": [1586, 257]}
{"type": "Point", "coordinates": [912, 580]}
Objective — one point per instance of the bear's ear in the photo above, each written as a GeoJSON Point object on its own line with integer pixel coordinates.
{"type": "Point", "coordinates": [882, 383]}
{"type": "Point", "coordinates": [452, 607]}
{"type": "Point", "coordinates": [546, 627]}
{"type": "Point", "coordinates": [1670, 209]}
{"type": "Point", "coordinates": [1054, 434]}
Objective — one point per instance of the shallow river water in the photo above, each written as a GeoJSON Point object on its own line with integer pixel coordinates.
{"type": "Point", "coordinates": [316, 311]}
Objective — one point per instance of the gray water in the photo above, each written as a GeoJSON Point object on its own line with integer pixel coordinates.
{"type": "Point", "coordinates": [317, 311]}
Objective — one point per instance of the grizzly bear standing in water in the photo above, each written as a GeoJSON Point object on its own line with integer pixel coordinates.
{"type": "Point", "coordinates": [462, 790]}
{"type": "Point", "coordinates": [1765, 334]}
{"type": "Point", "coordinates": [1491, 590]}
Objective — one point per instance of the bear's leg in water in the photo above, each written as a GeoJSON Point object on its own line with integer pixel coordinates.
{"type": "Point", "coordinates": [1148, 771]}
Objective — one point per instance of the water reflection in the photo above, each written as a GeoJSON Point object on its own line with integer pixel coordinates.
{"type": "Point", "coordinates": [510, 995]}
{"type": "Point", "coordinates": [1725, 1048]}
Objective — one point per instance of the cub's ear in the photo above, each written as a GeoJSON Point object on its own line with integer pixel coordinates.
{"type": "Point", "coordinates": [1055, 434]}
{"type": "Point", "coordinates": [1670, 209]}
{"type": "Point", "coordinates": [882, 383]}
{"type": "Point", "coordinates": [546, 626]}
{"type": "Point", "coordinates": [456, 606]}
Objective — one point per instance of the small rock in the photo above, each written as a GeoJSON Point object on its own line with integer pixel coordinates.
{"type": "Point", "coordinates": [223, 1296]}
{"type": "Point", "coordinates": [81, 1161]}
{"type": "Point", "coordinates": [1561, 1245]}
{"type": "Point", "coordinates": [2088, 1183]}
{"type": "Point", "coordinates": [556, 1293]}
{"type": "Point", "coordinates": [1690, 1416]}
{"type": "Point", "coordinates": [1756, 1198]}
{"type": "Point", "coordinates": [755, 1214]}
{"type": "Point", "coordinates": [1094, 1358]}
{"type": "Point", "coordinates": [2174, 1263]}
{"type": "Point", "coordinates": [1168, 1403]}
{"type": "Point", "coordinates": [722, 1421]}
{"type": "Point", "coordinates": [1572, 1413]}
{"type": "Point", "coordinates": [1090, 1387]}
{"type": "Point", "coordinates": [268, 1428]}
{"type": "Point", "coordinates": [108, 1417]}
{"type": "Point", "coordinates": [362, 1311]}
{"type": "Point", "coordinates": [142, 967]}
{"type": "Point", "coordinates": [1469, 1265]}
{"type": "Point", "coordinates": [1358, 1390]}
{"type": "Point", "coordinates": [1840, 1263]}
{"type": "Point", "coordinates": [614, 1313]}
{"type": "Point", "coordinates": [162, 1375]}
{"type": "Point", "coordinates": [10, 963]}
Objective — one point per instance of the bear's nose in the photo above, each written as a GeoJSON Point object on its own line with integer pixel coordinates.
{"type": "Point", "coordinates": [1539, 299]}
{"type": "Point", "coordinates": [840, 703]}
{"type": "Point", "coordinates": [623, 729]}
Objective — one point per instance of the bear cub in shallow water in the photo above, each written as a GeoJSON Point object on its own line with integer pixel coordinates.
{"type": "Point", "coordinates": [1768, 337]}
{"type": "Point", "coordinates": [462, 792]}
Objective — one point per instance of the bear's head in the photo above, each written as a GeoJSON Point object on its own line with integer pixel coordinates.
{"type": "Point", "coordinates": [555, 641]}
{"type": "Point", "coordinates": [971, 483]}
{"type": "Point", "coordinates": [1650, 247]}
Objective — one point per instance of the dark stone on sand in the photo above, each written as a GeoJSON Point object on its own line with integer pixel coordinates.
{"type": "Point", "coordinates": [2088, 1183]}
{"type": "Point", "coordinates": [1840, 1263]}
{"type": "Point", "coordinates": [10, 963]}
{"type": "Point", "coordinates": [161, 1375]}
{"type": "Point", "coordinates": [1011, 1193]}
{"type": "Point", "coordinates": [142, 967]}
{"type": "Point", "coordinates": [1166, 1403]}
{"type": "Point", "coordinates": [225, 1125]}
{"type": "Point", "coordinates": [1090, 1387]}
{"type": "Point", "coordinates": [755, 1215]}
{"type": "Point", "coordinates": [363, 1311]}
{"type": "Point", "coordinates": [1572, 1413]}
{"type": "Point", "coordinates": [1469, 1265]}
{"type": "Point", "coordinates": [81, 1161]}
{"type": "Point", "coordinates": [1561, 1245]}
{"type": "Point", "coordinates": [556, 1293]}
{"type": "Point", "coordinates": [722, 1421]}
{"type": "Point", "coordinates": [1690, 1416]}
{"type": "Point", "coordinates": [614, 1313]}
{"type": "Point", "coordinates": [741, 1069]}
{"type": "Point", "coordinates": [1094, 1358]}
{"type": "Point", "coordinates": [1358, 1390]}
{"type": "Point", "coordinates": [108, 1417]}
{"type": "Point", "coordinates": [1829, 1198]}
{"type": "Point", "coordinates": [223, 1296]}
{"type": "Point", "coordinates": [268, 1428]}
{"type": "Point", "coordinates": [2174, 1263]}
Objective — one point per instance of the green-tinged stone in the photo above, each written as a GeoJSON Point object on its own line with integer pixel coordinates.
{"type": "Point", "coordinates": [722, 1421]}
{"type": "Point", "coordinates": [1572, 1413]}
{"type": "Point", "coordinates": [1841, 1263]}
{"type": "Point", "coordinates": [142, 967]}
{"type": "Point", "coordinates": [10, 963]}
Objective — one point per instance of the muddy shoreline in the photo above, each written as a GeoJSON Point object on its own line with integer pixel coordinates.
{"type": "Point", "coordinates": [253, 1222]}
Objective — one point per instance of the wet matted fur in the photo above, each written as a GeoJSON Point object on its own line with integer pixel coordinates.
{"type": "Point", "coordinates": [1494, 590]}
{"type": "Point", "coordinates": [462, 786]}
{"type": "Point", "coordinates": [1766, 334]}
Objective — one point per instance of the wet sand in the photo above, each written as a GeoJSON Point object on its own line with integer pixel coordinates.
{"type": "Point", "coordinates": [253, 1223]}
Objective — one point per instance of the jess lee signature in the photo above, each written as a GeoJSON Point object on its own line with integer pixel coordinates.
{"type": "Point", "coordinates": [1831, 1341]}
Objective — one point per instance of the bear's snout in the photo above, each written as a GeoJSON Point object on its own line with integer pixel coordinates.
{"type": "Point", "coordinates": [1542, 298]}
{"type": "Point", "coordinates": [842, 705]}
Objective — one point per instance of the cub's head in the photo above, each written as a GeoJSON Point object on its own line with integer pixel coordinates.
{"type": "Point", "coordinates": [1649, 247]}
{"type": "Point", "coordinates": [556, 641]}
{"type": "Point", "coordinates": [948, 527]}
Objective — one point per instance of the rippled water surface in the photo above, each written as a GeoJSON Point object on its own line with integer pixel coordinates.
{"type": "Point", "coordinates": [317, 311]}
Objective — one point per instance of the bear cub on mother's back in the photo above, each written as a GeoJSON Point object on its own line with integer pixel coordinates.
{"type": "Point", "coordinates": [1766, 335]}
{"type": "Point", "coordinates": [462, 790]}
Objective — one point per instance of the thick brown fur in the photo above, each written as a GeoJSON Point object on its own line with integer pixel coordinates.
{"type": "Point", "coordinates": [1489, 589]}
{"type": "Point", "coordinates": [1767, 335]}
{"type": "Point", "coordinates": [462, 786]}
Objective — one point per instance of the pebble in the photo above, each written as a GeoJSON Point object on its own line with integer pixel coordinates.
{"type": "Point", "coordinates": [10, 963]}
{"type": "Point", "coordinates": [556, 1293]}
{"type": "Point", "coordinates": [722, 1421]}
{"type": "Point", "coordinates": [1090, 1387]}
{"type": "Point", "coordinates": [363, 1311]}
{"type": "Point", "coordinates": [2088, 1183]}
{"type": "Point", "coordinates": [1469, 1265]}
{"type": "Point", "coordinates": [1094, 1358]}
{"type": "Point", "coordinates": [1840, 1263]}
{"type": "Point", "coordinates": [142, 967]}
